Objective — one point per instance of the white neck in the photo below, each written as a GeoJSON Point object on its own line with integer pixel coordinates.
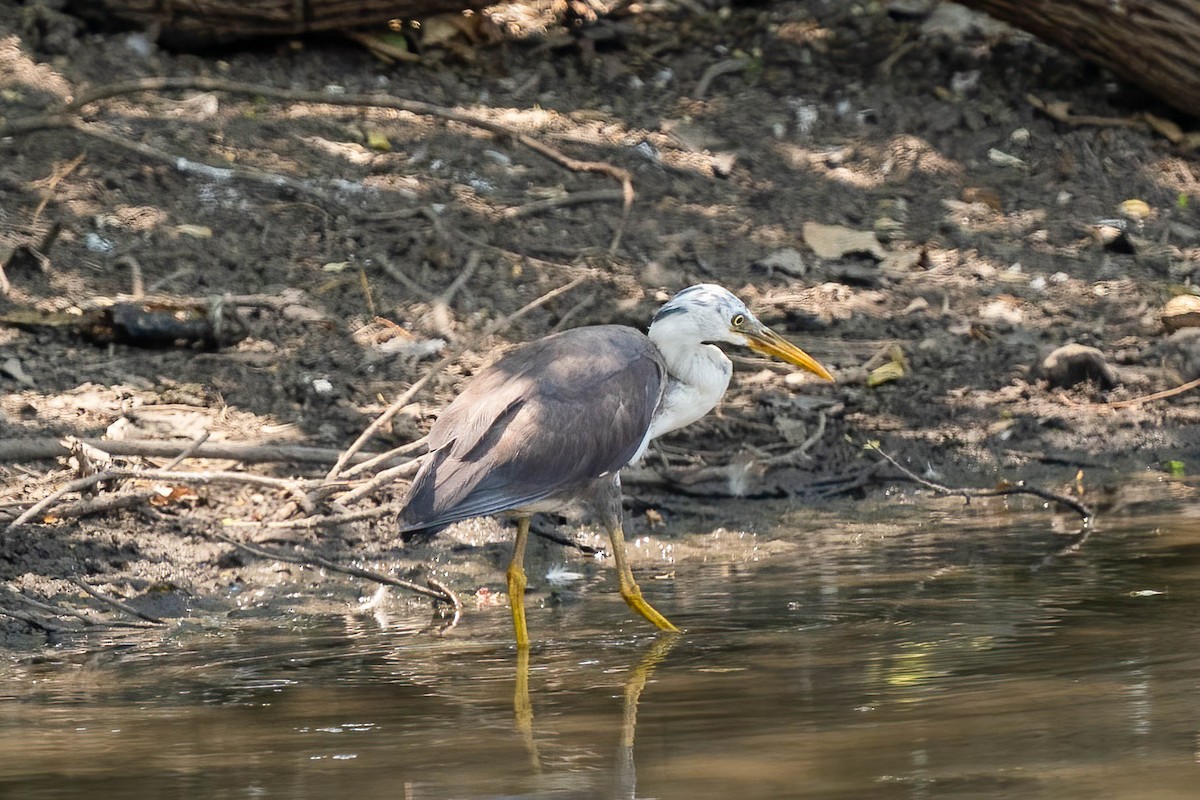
{"type": "Point", "coordinates": [698, 377]}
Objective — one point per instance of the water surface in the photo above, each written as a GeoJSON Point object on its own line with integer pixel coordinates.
{"type": "Point", "coordinates": [935, 659]}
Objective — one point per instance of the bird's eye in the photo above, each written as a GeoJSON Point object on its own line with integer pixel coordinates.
{"type": "Point", "coordinates": [738, 320]}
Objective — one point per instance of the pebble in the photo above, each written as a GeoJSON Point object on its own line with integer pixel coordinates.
{"type": "Point", "coordinates": [1075, 363]}
{"type": "Point", "coordinates": [96, 243]}
{"type": "Point", "coordinates": [1182, 311]}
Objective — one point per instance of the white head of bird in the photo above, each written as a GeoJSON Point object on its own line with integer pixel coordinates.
{"type": "Point", "coordinates": [684, 331]}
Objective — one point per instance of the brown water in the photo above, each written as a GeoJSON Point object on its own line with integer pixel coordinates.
{"type": "Point", "coordinates": [938, 661]}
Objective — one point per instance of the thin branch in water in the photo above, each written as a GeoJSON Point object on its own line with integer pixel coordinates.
{"type": "Point", "coordinates": [1079, 508]}
{"type": "Point", "coordinates": [434, 583]}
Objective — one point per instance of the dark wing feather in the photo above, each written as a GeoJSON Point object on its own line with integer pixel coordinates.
{"type": "Point", "coordinates": [545, 420]}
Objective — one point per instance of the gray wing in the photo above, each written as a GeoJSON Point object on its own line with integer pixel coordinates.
{"type": "Point", "coordinates": [544, 420]}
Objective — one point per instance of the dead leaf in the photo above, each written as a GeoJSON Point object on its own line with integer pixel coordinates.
{"type": "Point", "coordinates": [893, 370]}
{"type": "Point", "coordinates": [835, 241]}
{"type": "Point", "coordinates": [194, 231]}
{"type": "Point", "coordinates": [378, 140]}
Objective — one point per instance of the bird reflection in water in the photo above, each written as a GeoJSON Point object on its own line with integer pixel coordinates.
{"type": "Point", "coordinates": [624, 772]}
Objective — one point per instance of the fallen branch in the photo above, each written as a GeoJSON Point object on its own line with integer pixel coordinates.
{"type": "Point", "coordinates": [102, 505]}
{"type": "Point", "coordinates": [114, 602]}
{"type": "Point", "coordinates": [714, 71]}
{"type": "Point", "coordinates": [1079, 508]}
{"type": "Point", "coordinates": [34, 621]}
{"type": "Point", "coordinates": [87, 620]}
{"type": "Point", "coordinates": [383, 458]}
{"type": "Point", "coordinates": [565, 201]}
{"type": "Point", "coordinates": [324, 563]}
{"type": "Point", "coordinates": [19, 450]}
{"type": "Point", "coordinates": [1061, 112]}
{"type": "Point", "coordinates": [310, 523]}
{"type": "Point", "coordinates": [294, 487]}
{"type": "Point", "coordinates": [1163, 395]}
{"type": "Point", "coordinates": [379, 481]}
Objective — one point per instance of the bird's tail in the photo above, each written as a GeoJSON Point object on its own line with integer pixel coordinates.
{"type": "Point", "coordinates": [418, 519]}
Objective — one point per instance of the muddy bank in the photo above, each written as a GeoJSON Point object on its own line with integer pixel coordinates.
{"type": "Point", "coordinates": [393, 236]}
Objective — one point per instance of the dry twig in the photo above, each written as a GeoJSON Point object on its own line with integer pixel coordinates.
{"type": "Point", "coordinates": [1079, 508]}
{"type": "Point", "coordinates": [294, 487]}
{"type": "Point", "coordinates": [358, 572]}
{"type": "Point", "coordinates": [1163, 395]}
{"type": "Point", "coordinates": [114, 602]}
{"type": "Point", "coordinates": [19, 450]}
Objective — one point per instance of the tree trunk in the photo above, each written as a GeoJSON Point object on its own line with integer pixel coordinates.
{"type": "Point", "coordinates": [203, 21]}
{"type": "Point", "coordinates": [1152, 43]}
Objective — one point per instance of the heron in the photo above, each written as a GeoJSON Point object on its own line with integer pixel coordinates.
{"type": "Point", "coordinates": [555, 420]}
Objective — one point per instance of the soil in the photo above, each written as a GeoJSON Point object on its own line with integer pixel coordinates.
{"type": "Point", "coordinates": [398, 236]}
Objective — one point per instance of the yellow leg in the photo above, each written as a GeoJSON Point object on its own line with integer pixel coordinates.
{"type": "Point", "coordinates": [516, 584]}
{"type": "Point", "coordinates": [629, 588]}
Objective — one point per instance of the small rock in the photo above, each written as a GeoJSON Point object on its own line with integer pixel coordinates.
{"type": "Point", "coordinates": [723, 163]}
{"type": "Point", "coordinates": [1113, 235]}
{"type": "Point", "coordinates": [1075, 363]}
{"type": "Point", "coordinates": [1182, 311]}
{"type": "Point", "coordinates": [1003, 159]}
{"type": "Point", "coordinates": [96, 243]}
{"type": "Point", "coordinates": [13, 369]}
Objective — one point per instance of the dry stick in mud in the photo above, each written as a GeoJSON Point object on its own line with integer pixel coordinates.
{"type": "Point", "coordinates": [294, 487]}
{"type": "Point", "coordinates": [20, 450]}
{"type": "Point", "coordinates": [439, 593]}
{"type": "Point", "coordinates": [33, 621]}
{"type": "Point", "coordinates": [1149, 398]}
{"type": "Point", "coordinates": [1018, 488]}
{"type": "Point", "coordinates": [67, 117]}
{"type": "Point", "coordinates": [114, 602]}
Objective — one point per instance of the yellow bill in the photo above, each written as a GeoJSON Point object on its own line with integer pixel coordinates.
{"type": "Point", "coordinates": [770, 343]}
